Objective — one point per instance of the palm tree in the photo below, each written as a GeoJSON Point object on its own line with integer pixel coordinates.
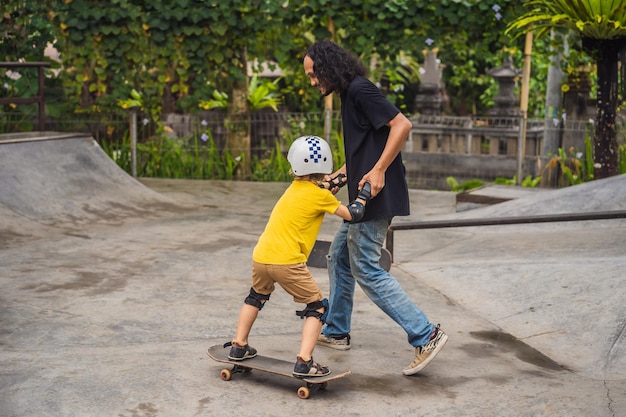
{"type": "Point", "coordinates": [601, 25]}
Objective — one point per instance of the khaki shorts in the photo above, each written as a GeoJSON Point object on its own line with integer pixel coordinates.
{"type": "Point", "coordinates": [295, 279]}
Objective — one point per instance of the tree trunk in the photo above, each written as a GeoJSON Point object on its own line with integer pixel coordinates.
{"type": "Point", "coordinates": [238, 123]}
{"type": "Point", "coordinates": [605, 53]}
{"type": "Point", "coordinates": [552, 139]}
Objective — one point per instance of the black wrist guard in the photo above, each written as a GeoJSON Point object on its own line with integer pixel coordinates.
{"type": "Point", "coordinates": [365, 193]}
{"type": "Point", "coordinates": [338, 181]}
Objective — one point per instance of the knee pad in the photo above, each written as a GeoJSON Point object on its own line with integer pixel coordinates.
{"type": "Point", "coordinates": [311, 310]}
{"type": "Point", "coordinates": [256, 300]}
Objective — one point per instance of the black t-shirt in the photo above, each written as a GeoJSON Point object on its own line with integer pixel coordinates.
{"type": "Point", "coordinates": [365, 113]}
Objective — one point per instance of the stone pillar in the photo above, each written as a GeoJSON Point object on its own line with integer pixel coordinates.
{"type": "Point", "coordinates": [430, 96]}
{"type": "Point", "coordinates": [576, 98]}
{"type": "Point", "coordinates": [506, 102]}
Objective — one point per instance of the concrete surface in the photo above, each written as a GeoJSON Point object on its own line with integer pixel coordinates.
{"type": "Point", "coordinates": [111, 289]}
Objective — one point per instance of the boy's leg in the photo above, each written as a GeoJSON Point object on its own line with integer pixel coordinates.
{"type": "Point", "coordinates": [297, 280]}
{"type": "Point", "coordinates": [247, 316]}
{"type": "Point", "coordinates": [310, 331]}
{"type": "Point", "coordinates": [305, 365]}
{"type": "Point", "coordinates": [262, 287]}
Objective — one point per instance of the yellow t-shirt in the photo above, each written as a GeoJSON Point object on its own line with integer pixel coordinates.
{"type": "Point", "coordinates": [293, 226]}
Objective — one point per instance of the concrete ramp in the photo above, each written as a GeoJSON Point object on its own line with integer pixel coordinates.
{"type": "Point", "coordinates": [608, 194]}
{"type": "Point", "coordinates": [66, 181]}
{"type": "Point", "coordinates": [559, 287]}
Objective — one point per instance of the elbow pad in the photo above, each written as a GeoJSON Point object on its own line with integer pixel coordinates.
{"type": "Point", "coordinates": [357, 210]}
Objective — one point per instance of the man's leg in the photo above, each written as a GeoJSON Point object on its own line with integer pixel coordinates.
{"type": "Point", "coordinates": [365, 241]}
{"type": "Point", "coordinates": [341, 286]}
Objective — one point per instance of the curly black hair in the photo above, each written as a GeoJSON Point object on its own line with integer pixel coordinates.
{"type": "Point", "coordinates": [334, 66]}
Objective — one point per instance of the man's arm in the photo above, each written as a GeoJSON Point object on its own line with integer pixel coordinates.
{"type": "Point", "coordinates": [400, 128]}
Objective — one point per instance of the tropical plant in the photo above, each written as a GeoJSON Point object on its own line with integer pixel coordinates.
{"type": "Point", "coordinates": [601, 26]}
{"type": "Point", "coordinates": [571, 167]}
{"type": "Point", "coordinates": [568, 165]}
{"type": "Point", "coordinates": [467, 185]}
{"type": "Point", "coordinates": [261, 94]}
{"type": "Point", "coordinates": [528, 181]}
{"type": "Point", "coordinates": [134, 101]}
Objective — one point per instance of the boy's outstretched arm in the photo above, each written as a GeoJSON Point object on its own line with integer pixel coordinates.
{"type": "Point", "coordinates": [354, 211]}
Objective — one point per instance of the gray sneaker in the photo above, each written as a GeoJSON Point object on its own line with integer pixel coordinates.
{"type": "Point", "coordinates": [309, 368]}
{"type": "Point", "coordinates": [339, 343]}
{"type": "Point", "coordinates": [425, 354]}
{"type": "Point", "coordinates": [240, 353]}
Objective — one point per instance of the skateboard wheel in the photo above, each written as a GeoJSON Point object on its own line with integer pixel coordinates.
{"type": "Point", "coordinates": [304, 393]}
{"type": "Point", "coordinates": [225, 375]}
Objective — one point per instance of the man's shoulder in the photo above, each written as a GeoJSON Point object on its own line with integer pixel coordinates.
{"type": "Point", "coordinates": [359, 82]}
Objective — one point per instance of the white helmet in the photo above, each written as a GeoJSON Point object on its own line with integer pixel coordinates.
{"type": "Point", "coordinates": [310, 155]}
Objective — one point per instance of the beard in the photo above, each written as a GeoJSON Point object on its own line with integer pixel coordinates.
{"type": "Point", "coordinates": [326, 89]}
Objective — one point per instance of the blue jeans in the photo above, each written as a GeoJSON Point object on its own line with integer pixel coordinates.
{"type": "Point", "coordinates": [354, 257]}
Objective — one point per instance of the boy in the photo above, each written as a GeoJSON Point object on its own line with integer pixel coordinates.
{"type": "Point", "coordinates": [283, 248]}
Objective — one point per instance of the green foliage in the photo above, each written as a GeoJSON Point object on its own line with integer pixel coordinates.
{"type": "Point", "coordinates": [176, 52]}
{"type": "Point", "coordinates": [601, 26]}
{"type": "Point", "coordinates": [528, 181]}
{"type": "Point", "coordinates": [179, 53]}
{"type": "Point", "coordinates": [596, 19]}
{"type": "Point", "coordinates": [454, 185]}
{"type": "Point", "coordinates": [134, 101]}
{"type": "Point", "coordinates": [261, 94]}
{"type": "Point", "coordinates": [166, 158]}
{"type": "Point", "coordinates": [273, 167]}
{"type": "Point", "coordinates": [219, 101]}
{"type": "Point", "coordinates": [572, 167]}
{"type": "Point", "coordinates": [468, 185]}
{"type": "Point", "coordinates": [25, 30]}
{"type": "Point", "coordinates": [468, 53]}
{"type": "Point", "coordinates": [199, 158]}
{"type": "Point", "coordinates": [622, 159]}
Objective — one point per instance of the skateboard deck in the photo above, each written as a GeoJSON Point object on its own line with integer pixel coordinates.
{"type": "Point", "coordinates": [271, 365]}
{"type": "Point", "coordinates": [317, 258]}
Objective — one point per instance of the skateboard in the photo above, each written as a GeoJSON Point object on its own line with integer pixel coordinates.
{"type": "Point", "coordinates": [317, 258]}
{"type": "Point", "coordinates": [271, 365]}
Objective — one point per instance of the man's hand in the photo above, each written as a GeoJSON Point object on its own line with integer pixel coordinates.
{"type": "Point", "coordinates": [376, 179]}
{"type": "Point", "coordinates": [365, 193]}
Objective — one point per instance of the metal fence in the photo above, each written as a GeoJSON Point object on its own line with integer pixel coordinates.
{"type": "Point", "coordinates": [492, 135]}
{"type": "Point", "coordinates": [465, 148]}
{"type": "Point", "coordinates": [266, 127]}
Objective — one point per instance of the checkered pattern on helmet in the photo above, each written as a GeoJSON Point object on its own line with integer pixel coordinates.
{"type": "Point", "coordinates": [314, 149]}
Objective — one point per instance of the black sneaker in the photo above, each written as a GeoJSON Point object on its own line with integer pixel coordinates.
{"type": "Point", "coordinates": [309, 368]}
{"type": "Point", "coordinates": [240, 353]}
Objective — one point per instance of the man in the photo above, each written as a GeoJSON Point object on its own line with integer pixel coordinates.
{"type": "Point", "coordinates": [374, 131]}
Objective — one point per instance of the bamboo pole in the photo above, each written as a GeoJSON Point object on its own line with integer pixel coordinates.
{"type": "Point", "coordinates": [521, 145]}
{"type": "Point", "coordinates": [328, 100]}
